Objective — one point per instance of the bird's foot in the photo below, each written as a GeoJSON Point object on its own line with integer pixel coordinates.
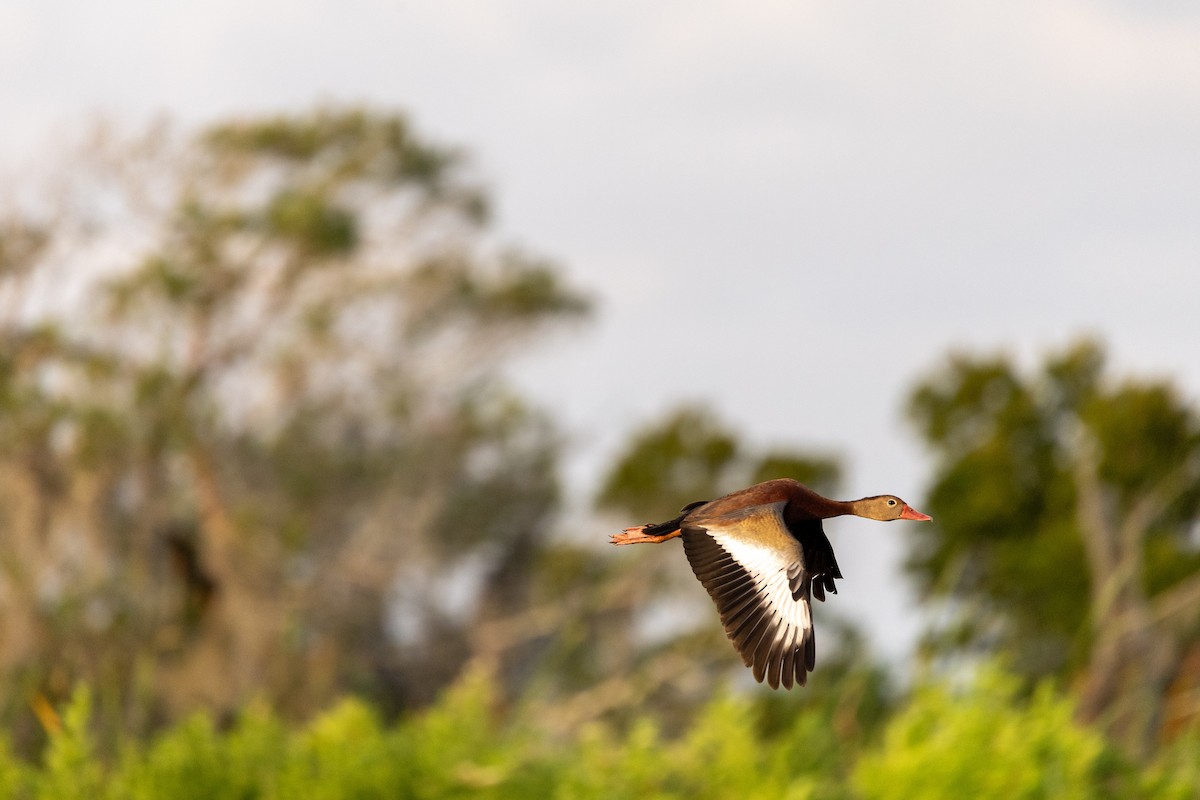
{"type": "Point", "coordinates": [638, 536]}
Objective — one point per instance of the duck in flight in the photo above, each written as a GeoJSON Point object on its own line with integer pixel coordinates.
{"type": "Point", "coordinates": [761, 554]}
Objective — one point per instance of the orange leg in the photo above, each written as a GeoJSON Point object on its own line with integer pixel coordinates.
{"type": "Point", "coordinates": [635, 536]}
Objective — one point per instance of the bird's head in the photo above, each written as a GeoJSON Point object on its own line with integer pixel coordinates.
{"type": "Point", "coordinates": [887, 507]}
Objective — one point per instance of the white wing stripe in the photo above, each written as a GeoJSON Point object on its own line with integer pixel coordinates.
{"type": "Point", "coordinates": [770, 578]}
{"type": "Point", "coordinates": [788, 622]}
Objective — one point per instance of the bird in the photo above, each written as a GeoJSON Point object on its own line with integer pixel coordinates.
{"type": "Point", "coordinates": [761, 554]}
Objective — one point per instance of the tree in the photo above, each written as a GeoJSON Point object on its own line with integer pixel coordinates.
{"type": "Point", "coordinates": [691, 455]}
{"type": "Point", "coordinates": [1066, 505]}
{"type": "Point", "coordinates": [250, 441]}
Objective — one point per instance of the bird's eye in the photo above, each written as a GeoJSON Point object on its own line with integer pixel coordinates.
{"type": "Point", "coordinates": [892, 502]}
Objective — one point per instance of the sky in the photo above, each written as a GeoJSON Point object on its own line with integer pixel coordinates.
{"type": "Point", "coordinates": [790, 211]}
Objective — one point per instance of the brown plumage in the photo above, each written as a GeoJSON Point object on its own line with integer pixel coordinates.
{"type": "Point", "coordinates": [761, 554]}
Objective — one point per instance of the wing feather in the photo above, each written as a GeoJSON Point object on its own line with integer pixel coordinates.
{"type": "Point", "coordinates": [755, 572]}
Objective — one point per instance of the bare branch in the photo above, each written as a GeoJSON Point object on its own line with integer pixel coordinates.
{"type": "Point", "coordinates": [1099, 538]}
{"type": "Point", "coordinates": [1179, 605]}
{"type": "Point", "coordinates": [1155, 502]}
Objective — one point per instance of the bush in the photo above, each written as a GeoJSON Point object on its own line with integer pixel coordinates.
{"type": "Point", "coordinates": [981, 741]}
{"type": "Point", "coordinates": [985, 743]}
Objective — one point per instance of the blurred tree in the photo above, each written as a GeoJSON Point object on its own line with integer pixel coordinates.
{"type": "Point", "coordinates": [1066, 509]}
{"type": "Point", "coordinates": [253, 438]}
{"type": "Point", "coordinates": [691, 455]}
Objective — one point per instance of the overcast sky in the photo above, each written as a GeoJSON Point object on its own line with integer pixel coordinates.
{"type": "Point", "coordinates": [789, 210]}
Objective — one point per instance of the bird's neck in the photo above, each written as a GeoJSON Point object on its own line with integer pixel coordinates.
{"type": "Point", "coordinates": [856, 508]}
{"type": "Point", "coordinates": [841, 508]}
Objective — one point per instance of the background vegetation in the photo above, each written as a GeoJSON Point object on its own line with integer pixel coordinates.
{"type": "Point", "coordinates": [258, 456]}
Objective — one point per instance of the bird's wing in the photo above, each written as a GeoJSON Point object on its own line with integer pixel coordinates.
{"type": "Point", "coordinates": [819, 559]}
{"type": "Point", "coordinates": [754, 570]}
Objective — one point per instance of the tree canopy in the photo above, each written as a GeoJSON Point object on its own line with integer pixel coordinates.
{"type": "Point", "coordinates": [690, 454]}
{"type": "Point", "coordinates": [252, 415]}
{"type": "Point", "coordinates": [1066, 502]}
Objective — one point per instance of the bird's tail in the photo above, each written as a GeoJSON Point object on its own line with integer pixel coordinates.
{"type": "Point", "coordinates": [659, 528]}
{"type": "Point", "coordinates": [655, 531]}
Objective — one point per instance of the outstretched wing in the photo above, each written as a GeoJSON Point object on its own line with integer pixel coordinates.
{"type": "Point", "coordinates": [755, 572]}
{"type": "Point", "coordinates": [819, 559]}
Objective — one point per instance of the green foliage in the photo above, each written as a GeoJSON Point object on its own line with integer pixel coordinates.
{"type": "Point", "coordinates": [312, 223]}
{"type": "Point", "coordinates": [71, 767]}
{"type": "Point", "coordinates": [675, 461]}
{"type": "Point", "coordinates": [722, 756]}
{"type": "Point", "coordinates": [1008, 545]}
{"type": "Point", "coordinates": [822, 473]}
{"type": "Point", "coordinates": [1175, 775]}
{"type": "Point", "coordinates": [193, 760]}
{"type": "Point", "coordinates": [277, 399]}
{"type": "Point", "coordinates": [16, 776]}
{"type": "Point", "coordinates": [983, 739]}
{"type": "Point", "coordinates": [351, 144]}
{"type": "Point", "coordinates": [448, 289]}
{"type": "Point", "coordinates": [690, 454]}
{"type": "Point", "coordinates": [984, 742]}
{"type": "Point", "coordinates": [979, 740]}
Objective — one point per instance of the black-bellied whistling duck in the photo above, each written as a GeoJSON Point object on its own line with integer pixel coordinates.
{"type": "Point", "coordinates": [760, 553]}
